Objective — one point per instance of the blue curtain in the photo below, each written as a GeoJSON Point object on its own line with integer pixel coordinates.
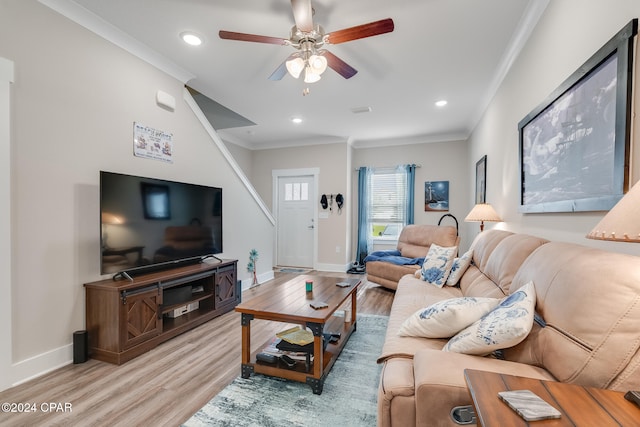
{"type": "Point", "coordinates": [410, 170]}
{"type": "Point", "coordinates": [362, 249]}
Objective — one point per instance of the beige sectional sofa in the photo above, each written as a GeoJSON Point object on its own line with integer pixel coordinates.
{"type": "Point", "coordinates": [589, 301]}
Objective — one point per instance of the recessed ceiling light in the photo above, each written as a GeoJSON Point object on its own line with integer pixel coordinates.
{"type": "Point", "coordinates": [441, 103]}
{"type": "Point", "coordinates": [191, 38]}
{"type": "Point", "coordinates": [296, 120]}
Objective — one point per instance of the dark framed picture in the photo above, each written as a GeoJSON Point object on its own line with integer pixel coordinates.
{"type": "Point", "coordinates": [481, 180]}
{"type": "Point", "coordinates": [155, 201]}
{"type": "Point", "coordinates": [436, 196]}
{"type": "Point", "coordinates": [574, 147]}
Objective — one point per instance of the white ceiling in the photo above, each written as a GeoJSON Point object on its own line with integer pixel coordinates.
{"type": "Point", "coordinates": [457, 50]}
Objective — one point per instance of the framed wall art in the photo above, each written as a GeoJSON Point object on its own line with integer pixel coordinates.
{"type": "Point", "coordinates": [436, 196]}
{"type": "Point", "coordinates": [481, 180]}
{"type": "Point", "coordinates": [574, 147]}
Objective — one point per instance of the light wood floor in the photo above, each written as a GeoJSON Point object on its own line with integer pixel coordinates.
{"type": "Point", "coordinates": [163, 387]}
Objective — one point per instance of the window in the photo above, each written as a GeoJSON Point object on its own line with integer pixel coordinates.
{"type": "Point", "coordinates": [388, 202]}
{"type": "Point", "coordinates": [296, 191]}
{"type": "Point", "coordinates": [385, 205]}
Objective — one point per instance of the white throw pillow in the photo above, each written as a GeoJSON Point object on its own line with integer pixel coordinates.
{"type": "Point", "coordinates": [505, 326]}
{"type": "Point", "coordinates": [446, 318]}
{"type": "Point", "coordinates": [458, 267]}
{"type": "Point", "coordinates": [437, 264]}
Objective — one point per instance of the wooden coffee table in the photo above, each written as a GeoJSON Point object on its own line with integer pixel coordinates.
{"type": "Point", "coordinates": [289, 303]}
{"type": "Point", "coordinates": [580, 406]}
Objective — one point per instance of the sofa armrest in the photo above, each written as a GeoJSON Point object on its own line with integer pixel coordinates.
{"type": "Point", "coordinates": [396, 404]}
{"type": "Point", "coordinates": [440, 385]}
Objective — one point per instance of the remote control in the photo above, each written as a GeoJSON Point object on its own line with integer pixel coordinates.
{"type": "Point", "coordinates": [288, 361]}
{"type": "Point", "coordinates": [319, 305]}
{"type": "Point", "coordinates": [633, 396]}
{"type": "Point", "coordinates": [266, 357]}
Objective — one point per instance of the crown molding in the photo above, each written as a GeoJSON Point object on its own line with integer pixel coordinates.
{"type": "Point", "coordinates": [524, 28]}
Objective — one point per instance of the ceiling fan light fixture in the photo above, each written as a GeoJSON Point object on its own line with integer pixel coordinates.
{"type": "Point", "coordinates": [318, 63]}
{"type": "Point", "coordinates": [310, 76]}
{"type": "Point", "coordinates": [295, 67]}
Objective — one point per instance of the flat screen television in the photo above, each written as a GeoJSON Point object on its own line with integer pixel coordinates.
{"type": "Point", "coordinates": [150, 224]}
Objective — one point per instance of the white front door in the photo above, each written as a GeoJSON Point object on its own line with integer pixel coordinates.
{"type": "Point", "coordinates": [295, 219]}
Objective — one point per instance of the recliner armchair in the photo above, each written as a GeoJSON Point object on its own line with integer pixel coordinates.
{"type": "Point", "coordinates": [413, 245]}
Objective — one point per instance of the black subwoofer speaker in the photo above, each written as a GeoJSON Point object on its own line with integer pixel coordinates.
{"type": "Point", "coordinates": [80, 346]}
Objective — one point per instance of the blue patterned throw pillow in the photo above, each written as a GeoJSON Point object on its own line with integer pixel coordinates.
{"type": "Point", "coordinates": [505, 326]}
{"type": "Point", "coordinates": [458, 267]}
{"type": "Point", "coordinates": [446, 318]}
{"type": "Point", "coordinates": [437, 264]}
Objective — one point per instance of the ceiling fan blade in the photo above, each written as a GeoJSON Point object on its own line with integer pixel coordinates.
{"type": "Point", "coordinates": [361, 31]}
{"type": "Point", "coordinates": [243, 37]}
{"type": "Point", "coordinates": [281, 71]}
{"type": "Point", "coordinates": [303, 14]}
{"type": "Point", "coordinates": [337, 64]}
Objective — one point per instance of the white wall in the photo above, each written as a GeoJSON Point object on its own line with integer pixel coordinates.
{"type": "Point", "coordinates": [75, 99]}
{"type": "Point", "coordinates": [569, 32]}
{"type": "Point", "coordinates": [243, 157]}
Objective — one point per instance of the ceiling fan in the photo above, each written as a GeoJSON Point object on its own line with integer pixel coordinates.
{"type": "Point", "coordinates": [308, 40]}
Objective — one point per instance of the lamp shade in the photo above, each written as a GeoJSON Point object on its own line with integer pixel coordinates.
{"type": "Point", "coordinates": [622, 223]}
{"type": "Point", "coordinates": [310, 76]}
{"type": "Point", "coordinates": [483, 212]}
{"type": "Point", "coordinates": [318, 63]}
{"type": "Point", "coordinates": [295, 66]}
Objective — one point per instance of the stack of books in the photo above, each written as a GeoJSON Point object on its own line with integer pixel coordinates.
{"type": "Point", "coordinates": [297, 343]}
{"type": "Point", "coordinates": [273, 348]}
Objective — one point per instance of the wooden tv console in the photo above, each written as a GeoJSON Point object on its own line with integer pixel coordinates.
{"type": "Point", "coordinates": [125, 318]}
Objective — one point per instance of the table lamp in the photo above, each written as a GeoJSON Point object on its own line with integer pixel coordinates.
{"type": "Point", "coordinates": [483, 212]}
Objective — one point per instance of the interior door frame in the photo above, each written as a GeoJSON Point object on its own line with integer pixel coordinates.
{"type": "Point", "coordinates": [276, 174]}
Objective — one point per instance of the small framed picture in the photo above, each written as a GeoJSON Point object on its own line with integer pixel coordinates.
{"type": "Point", "coordinates": [481, 180]}
{"type": "Point", "coordinates": [436, 196]}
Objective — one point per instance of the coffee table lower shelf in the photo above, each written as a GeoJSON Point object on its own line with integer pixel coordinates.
{"type": "Point", "coordinates": [299, 372]}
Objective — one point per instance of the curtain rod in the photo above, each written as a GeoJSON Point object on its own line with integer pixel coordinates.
{"type": "Point", "coordinates": [387, 167]}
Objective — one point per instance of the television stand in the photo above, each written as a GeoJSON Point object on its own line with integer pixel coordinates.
{"type": "Point", "coordinates": [128, 317]}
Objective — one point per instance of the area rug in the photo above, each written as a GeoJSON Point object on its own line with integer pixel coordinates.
{"type": "Point", "coordinates": [349, 397]}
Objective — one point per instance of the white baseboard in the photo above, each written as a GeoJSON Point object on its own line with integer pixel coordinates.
{"type": "Point", "coordinates": [262, 277]}
{"type": "Point", "coordinates": [41, 364]}
{"type": "Point", "coordinates": [333, 268]}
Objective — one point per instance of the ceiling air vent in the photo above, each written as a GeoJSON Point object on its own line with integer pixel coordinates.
{"type": "Point", "coordinates": [360, 110]}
